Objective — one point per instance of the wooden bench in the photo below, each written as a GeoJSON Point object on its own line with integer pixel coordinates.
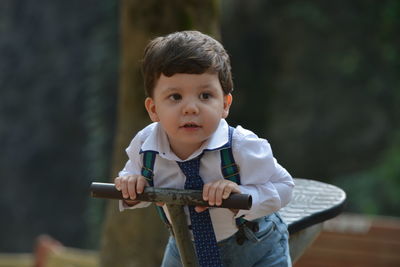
{"type": "Point", "coordinates": [355, 240]}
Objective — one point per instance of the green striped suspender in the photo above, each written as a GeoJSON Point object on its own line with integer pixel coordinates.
{"type": "Point", "coordinates": [229, 169]}
{"type": "Point", "coordinates": [149, 158]}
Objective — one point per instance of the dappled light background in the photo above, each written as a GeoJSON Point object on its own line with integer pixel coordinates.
{"type": "Point", "coordinates": [58, 82]}
{"type": "Point", "coordinates": [319, 80]}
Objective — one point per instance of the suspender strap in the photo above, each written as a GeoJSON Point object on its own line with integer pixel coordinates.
{"type": "Point", "coordinates": [230, 170]}
{"type": "Point", "coordinates": [149, 158]}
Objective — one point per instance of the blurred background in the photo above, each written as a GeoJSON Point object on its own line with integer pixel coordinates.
{"type": "Point", "coordinates": [319, 80]}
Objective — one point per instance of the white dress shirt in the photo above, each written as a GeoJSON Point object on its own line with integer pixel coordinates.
{"type": "Point", "coordinates": [269, 184]}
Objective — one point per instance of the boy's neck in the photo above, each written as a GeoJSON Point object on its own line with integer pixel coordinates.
{"type": "Point", "coordinates": [184, 151]}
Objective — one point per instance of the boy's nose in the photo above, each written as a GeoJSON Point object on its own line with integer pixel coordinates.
{"type": "Point", "coordinates": [190, 108]}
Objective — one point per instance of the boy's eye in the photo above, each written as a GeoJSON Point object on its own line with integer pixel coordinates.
{"type": "Point", "coordinates": [205, 96]}
{"type": "Point", "coordinates": [175, 97]}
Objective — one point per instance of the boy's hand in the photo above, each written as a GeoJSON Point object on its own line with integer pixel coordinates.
{"type": "Point", "coordinates": [216, 191]}
{"type": "Point", "coordinates": [130, 186]}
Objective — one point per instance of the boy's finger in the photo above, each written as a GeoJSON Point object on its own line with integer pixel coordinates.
{"type": "Point", "coordinates": [211, 193]}
{"type": "Point", "coordinates": [141, 183]}
{"type": "Point", "coordinates": [227, 192]}
{"type": "Point", "coordinates": [219, 193]}
{"type": "Point", "coordinates": [124, 189]}
{"type": "Point", "coordinates": [131, 203]}
{"type": "Point", "coordinates": [199, 209]}
{"type": "Point", "coordinates": [132, 188]}
{"type": "Point", "coordinates": [117, 183]}
{"type": "Point", "coordinates": [206, 188]}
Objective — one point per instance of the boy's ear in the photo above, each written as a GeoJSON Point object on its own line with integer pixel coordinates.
{"type": "Point", "coordinates": [227, 105]}
{"type": "Point", "coordinates": [151, 109]}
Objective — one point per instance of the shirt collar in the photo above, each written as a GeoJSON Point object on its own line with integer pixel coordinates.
{"type": "Point", "coordinates": [158, 141]}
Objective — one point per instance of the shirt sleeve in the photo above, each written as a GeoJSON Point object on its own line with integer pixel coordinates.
{"type": "Point", "coordinates": [269, 184]}
{"type": "Point", "coordinates": [133, 166]}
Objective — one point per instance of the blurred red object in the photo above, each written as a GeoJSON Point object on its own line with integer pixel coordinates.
{"type": "Point", "coordinates": [44, 246]}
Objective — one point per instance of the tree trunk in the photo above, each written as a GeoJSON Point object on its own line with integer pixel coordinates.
{"type": "Point", "coordinates": [137, 238]}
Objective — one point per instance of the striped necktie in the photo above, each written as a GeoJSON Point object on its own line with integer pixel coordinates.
{"type": "Point", "coordinates": [203, 232]}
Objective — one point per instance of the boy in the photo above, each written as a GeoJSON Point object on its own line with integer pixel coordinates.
{"type": "Point", "coordinates": [188, 84]}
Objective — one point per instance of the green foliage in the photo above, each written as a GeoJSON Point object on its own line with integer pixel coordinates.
{"type": "Point", "coordinates": [376, 190]}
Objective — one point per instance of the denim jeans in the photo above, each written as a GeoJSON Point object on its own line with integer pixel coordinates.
{"type": "Point", "coordinates": [266, 248]}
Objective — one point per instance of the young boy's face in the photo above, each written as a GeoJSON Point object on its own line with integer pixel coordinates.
{"type": "Point", "coordinates": [189, 107]}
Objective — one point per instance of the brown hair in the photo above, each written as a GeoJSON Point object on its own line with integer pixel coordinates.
{"type": "Point", "coordinates": [190, 52]}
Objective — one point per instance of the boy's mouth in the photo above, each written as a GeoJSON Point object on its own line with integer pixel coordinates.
{"type": "Point", "coordinates": [190, 125]}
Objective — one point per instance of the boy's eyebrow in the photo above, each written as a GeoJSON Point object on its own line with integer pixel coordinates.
{"type": "Point", "coordinates": [170, 89]}
{"type": "Point", "coordinates": [206, 86]}
{"type": "Point", "coordinates": [177, 88]}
